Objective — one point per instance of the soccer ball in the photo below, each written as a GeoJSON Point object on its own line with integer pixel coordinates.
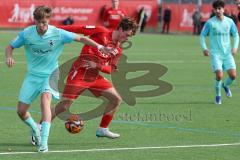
{"type": "Point", "coordinates": [74, 124]}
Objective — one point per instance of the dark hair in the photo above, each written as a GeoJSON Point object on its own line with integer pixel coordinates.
{"type": "Point", "coordinates": [128, 24]}
{"type": "Point", "coordinates": [218, 3]}
{"type": "Point", "coordinates": [42, 12]}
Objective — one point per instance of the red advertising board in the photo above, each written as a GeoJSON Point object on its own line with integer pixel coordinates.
{"type": "Point", "coordinates": [181, 19]}
{"type": "Point", "coordinates": [18, 13]}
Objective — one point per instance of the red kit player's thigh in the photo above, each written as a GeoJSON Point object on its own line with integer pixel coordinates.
{"type": "Point", "coordinates": [75, 85]}
{"type": "Point", "coordinates": [72, 91]}
{"type": "Point", "coordinates": [101, 84]}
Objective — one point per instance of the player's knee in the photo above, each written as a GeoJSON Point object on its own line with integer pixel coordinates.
{"type": "Point", "coordinates": [65, 105]}
{"type": "Point", "coordinates": [21, 113]}
{"type": "Point", "coordinates": [117, 100]}
{"type": "Point", "coordinates": [219, 77]}
{"type": "Point", "coordinates": [67, 102]}
{"type": "Point", "coordinates": [233, 77]}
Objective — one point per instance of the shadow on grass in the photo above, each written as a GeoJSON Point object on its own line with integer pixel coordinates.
{"type": "Point", "coordinates": [17, 147]}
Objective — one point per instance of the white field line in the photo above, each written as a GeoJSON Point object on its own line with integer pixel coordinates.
{"type": "Point", "coordinates": [123, 149]}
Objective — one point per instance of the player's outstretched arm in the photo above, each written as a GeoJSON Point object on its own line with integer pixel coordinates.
{"type": "Point", "coordinates": [9, 56]}
{"type": "Point", "coordinates": [90, 42]}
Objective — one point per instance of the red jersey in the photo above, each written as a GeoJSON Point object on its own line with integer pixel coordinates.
{"type": "Point", "coordinates": [112, 17]}
{"type": "Point", "coordinates": [105, 63]}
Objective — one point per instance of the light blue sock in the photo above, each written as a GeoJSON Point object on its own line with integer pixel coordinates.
{"type": "Point", "coordinates": [45, 133]}
{"type": "Point", "coordinates": [31, 123]}
{"type": "Point", "coordinates": [228, 82]}
{"type": "Point", "coordinates": [218, 85]}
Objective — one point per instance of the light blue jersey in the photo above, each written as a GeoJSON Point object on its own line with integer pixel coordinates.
{"type": "Point", "coordinates": [219, 32]}
{"type": "Point", "coordinates": [42, 52]}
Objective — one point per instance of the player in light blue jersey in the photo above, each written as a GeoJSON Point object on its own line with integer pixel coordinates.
{"type": "Point", "coordinates": [43, 45]}
{"type": "Point", "coordinates": [220, 28]}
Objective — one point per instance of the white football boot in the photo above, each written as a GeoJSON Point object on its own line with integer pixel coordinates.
{"type": "Point", "coordinates": [43, 149]}
{"type": "Point", "coordinates": [104, 132]}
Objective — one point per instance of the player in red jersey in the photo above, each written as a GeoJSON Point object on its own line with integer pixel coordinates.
{"type": "Point", "coordinates": [113, 15]}
{"type": "Point", "coordinates": [84, 73]}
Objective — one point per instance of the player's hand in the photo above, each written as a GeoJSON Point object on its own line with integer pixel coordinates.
{"type": "Point", "coordinates": [108, 50]}
{"type": "Point", "coordinates": [9, 62]}
{"type": "Point", "coordinates": [234, 51]}
{"type": "Point", "coordinates": [206, 53]}
{"type": "Point", "coordinates": [113, 51]}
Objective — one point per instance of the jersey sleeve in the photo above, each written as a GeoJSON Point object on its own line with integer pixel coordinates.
{"type": "Point", "coordinates": [86, 30]}
{"type": "Point", "coordinates": [18, 41]}
{"type": "Point", "coordinates": [107, 69]}
{"type": "Point", "coordinates": [234, 32]}
{"type": "Point", "coordinates": [205, 31]}
{"type": "Point", "coordinates": [67, 37]}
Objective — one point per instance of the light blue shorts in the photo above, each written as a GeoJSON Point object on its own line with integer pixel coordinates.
{"type": "Point", "coordinates": [223, 63]}
{"type": "Point", "coordinates": [33, 86]}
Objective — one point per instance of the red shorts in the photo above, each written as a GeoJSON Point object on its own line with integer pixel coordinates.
{"type": "Point", "coordinates": [76, 84]}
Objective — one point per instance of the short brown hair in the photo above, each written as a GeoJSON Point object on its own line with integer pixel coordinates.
{"type": "Point", "coordinates": [128, 24]}
{"type": "Point", "coordinates": [42, 12]}
{"type": "Point", "coordinates": [218, 3]}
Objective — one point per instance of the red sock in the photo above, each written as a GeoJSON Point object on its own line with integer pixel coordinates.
{"type": "Point", "coordinates": [106, 119]}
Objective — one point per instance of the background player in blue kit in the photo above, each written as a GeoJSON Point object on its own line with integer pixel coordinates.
{"type": "Point", "coordinates": [43, 45]}
{"type": "Point", "coordinates": [220, 28]}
